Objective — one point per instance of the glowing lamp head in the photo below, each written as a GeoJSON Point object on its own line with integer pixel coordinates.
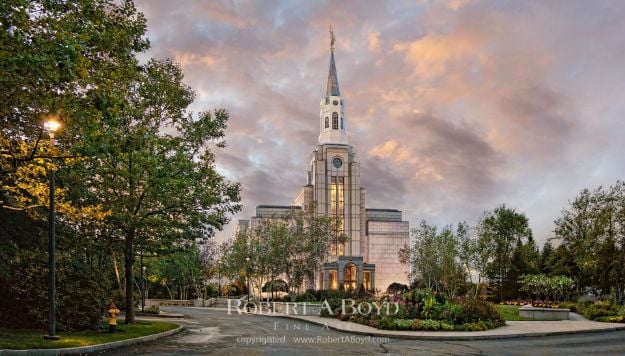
{"type": "Point", "coordinates": [52, 125]}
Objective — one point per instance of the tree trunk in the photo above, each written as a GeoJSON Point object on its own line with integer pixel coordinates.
{"type": "Point", "coordinates": [119, 281]}
{"type": "Point", "coordinates": [129, 259]}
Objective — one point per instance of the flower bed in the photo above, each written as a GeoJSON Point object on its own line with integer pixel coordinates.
{"type": "Point", "coordinates": [419, 310]}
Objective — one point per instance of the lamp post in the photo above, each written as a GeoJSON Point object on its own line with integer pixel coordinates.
{"type": "Point", "coordinates": [52, 126]}
{"type": "Point", "coordinates": [247, 260]}
{"type": "Point", "coordinates": [142, 282]}
{"type": "Point", "coordinates": [143, 268]}
{"type": "Point", "coordinates": [219, 278]}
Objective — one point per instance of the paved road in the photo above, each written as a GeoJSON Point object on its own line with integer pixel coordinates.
{"type": "Point", "coordinates": [215, 332]}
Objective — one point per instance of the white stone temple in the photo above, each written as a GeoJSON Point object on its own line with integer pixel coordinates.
{"type": "Point", "coordinates": [370, 254]}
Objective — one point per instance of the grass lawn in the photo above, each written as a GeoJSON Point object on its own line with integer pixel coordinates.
{"type": "Point", "coordinates": [33, 339]}
{"type": "Point", "coordinates": [511, 313]}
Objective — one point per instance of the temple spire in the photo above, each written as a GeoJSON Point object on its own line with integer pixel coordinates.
{"type": "Point", "coordinates": [333, 81]}
{"type": "Point", "coordinates": [331, 116]}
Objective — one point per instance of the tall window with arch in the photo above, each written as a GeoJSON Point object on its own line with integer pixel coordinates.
{"type": "Point", "coordinates": [335, 121]}
{"type": "Point", "coordinates": [342, 124]}
{"type": "Point", "coordinates": [327, 122]}
{"type": "Point", "coordinates": [350, 276]}
{"type": "Point", "coordinates": [337, 210]}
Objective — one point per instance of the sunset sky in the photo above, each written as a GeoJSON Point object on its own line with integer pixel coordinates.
{"type": "Point", "coordinates": [453, 107]}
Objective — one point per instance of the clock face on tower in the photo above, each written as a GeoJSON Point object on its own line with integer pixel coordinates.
{"type": "Point", "coordinates": [337, 162]}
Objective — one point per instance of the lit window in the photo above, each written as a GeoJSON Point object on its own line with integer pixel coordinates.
{"type": "Point", "coordinates": [337, 210]}
{"type": "Point", "coordinates": [327, 122]}
{"type": "Point", "coordinates": [335, 121]}
{"type": "Point", "coordinates": [367, 280]}
{"type": "Point", "coordinates": [333, 280]}
{"type": "Point", "coordinates": [350, 276]}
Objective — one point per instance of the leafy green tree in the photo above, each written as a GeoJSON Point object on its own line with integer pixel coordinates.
{"type": "Point", "coordinates": [545, 258]}
{"type": "Point", "coordinates": [433, 258]}
{"type": "Point", "coordinates": [292, 247]}
{"type": "Point", "coordinates": [592, 233]}
{"type": "Point", "coordinates": [503, 229]}
{"type": "Point", "coordinates": [152, 168]}
{"type": "Point", "coordinates": [55, 56]}
{"type": "Point", "coordinates": [179, 272]}
{"type": "Point", "coordinates": [474, 254]}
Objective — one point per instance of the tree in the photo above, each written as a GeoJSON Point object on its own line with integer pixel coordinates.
{"type": "Point", "coordinates": [179, 272]}
{"type": "Point", "coordinates": [474, 254]}
{"type": "Point", "coordinates": [55, 55]}
{"type": "Point", "coordinates": [293, 247]}
{"type": "Point", "coordinates": [502, 230]}
{"type": "Point", "coordinates": [433, 258]}
{"type": "Point", "coordinates": [592, 232]}
{"type": "Point", "coordinates": [546, 256]}
{"type": "Point", "coordinates": [151, 166]}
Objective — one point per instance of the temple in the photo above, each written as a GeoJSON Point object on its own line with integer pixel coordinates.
{"type": "Point", "coordinates": [369, 256]}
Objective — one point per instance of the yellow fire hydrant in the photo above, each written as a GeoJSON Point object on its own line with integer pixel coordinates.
{"type": "Point", "coordinates": [112, 312]}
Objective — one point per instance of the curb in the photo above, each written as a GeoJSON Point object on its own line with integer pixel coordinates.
{"type": "Point", "coordinates": [450, 337]}
{"type": "Point", "coordinates": [171, 316]}
{"type": "Point", "coordinates": [94, 348]}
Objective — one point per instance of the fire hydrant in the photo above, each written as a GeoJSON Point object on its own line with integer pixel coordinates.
{"type": "Point", "coordinates": [112, 312]}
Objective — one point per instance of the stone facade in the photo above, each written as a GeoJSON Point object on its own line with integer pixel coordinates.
{"type": "Point", "coordinates": [369, 257]}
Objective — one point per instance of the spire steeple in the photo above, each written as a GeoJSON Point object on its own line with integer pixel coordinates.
{"type": "Point", "coordinates": [333, 81]}
{"type": "Point", "coordinates": [332, 116]}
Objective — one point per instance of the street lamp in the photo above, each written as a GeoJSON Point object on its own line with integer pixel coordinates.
{"type": "Point", "coordinates": [219, 278]}
{"type": "Point", "coordinates": [143, 268]}
{"type": "Point", "coordinates": [247, 260]}
{"type": "Point", "coordinates": [52, 125]}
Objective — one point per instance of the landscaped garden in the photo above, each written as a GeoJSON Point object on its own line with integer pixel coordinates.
{"type": "Point", "coordinates": [20, 339]}
{"type": "Point", "coordinates": [418, 309]}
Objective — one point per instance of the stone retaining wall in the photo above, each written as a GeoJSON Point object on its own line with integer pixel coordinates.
{"type": "Point", "coordinates": [544, 313]}
{"type": "Point", "coordinates": [173, 302]}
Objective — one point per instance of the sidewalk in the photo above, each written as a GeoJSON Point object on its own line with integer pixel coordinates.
{"type": "Point", "coordinates": [512, 329]}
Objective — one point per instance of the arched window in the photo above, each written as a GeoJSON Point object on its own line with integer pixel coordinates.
{"type": "Point", "coordinates": [341, 123]}
{"type": "Point", "coordinates": [327, 122]}
{"type": "Point", "coordinates": [335, 121]}
{"type": "Point", "coordinates": [350, 276]}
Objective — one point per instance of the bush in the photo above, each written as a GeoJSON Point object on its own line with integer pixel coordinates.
{"type": "Point", "coordinates": [572, 306]}
{"type": "Point", "coordinates": [475, 310]}
{"type": "Point", "coordinates": [386, 323]}
{"type": "Point", "coordinates": [449, 312]}
{"type": "Point", "coordinates": [403, 324]}
{"type": "Point", "coordinates": [432, 325]}
{"type": "Point", "coordinates": [152, 309]}
{"type": "Point", "coordinates": [599, 309]}
{"type": "Point", "coordinates": [417, 324]}
{"type": "Point", "coordinates": [447, 326]}
{"type": "Point", "coordinates": [81, 296]}
{"type": "Point", "coordinates": [277, 285]}
{"type": "Point", "coordinates": [611, 319]}
{"type": "Point", "coordinates": [395, 288]}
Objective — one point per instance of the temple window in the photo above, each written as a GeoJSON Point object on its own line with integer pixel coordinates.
{"type": "Point", "coordinates": [350, 277]}
{"type": "Point", "coordinates": [367, 280]}
{"type": "Point", "coordinates": [333, 280]}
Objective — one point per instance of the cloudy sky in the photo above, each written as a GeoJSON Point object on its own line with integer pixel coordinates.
{"type": "Point", "coordinates": [453, 107]}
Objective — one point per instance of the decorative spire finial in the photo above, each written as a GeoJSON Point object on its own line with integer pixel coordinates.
{"type": "Point", "coordinates": [332, 39]}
